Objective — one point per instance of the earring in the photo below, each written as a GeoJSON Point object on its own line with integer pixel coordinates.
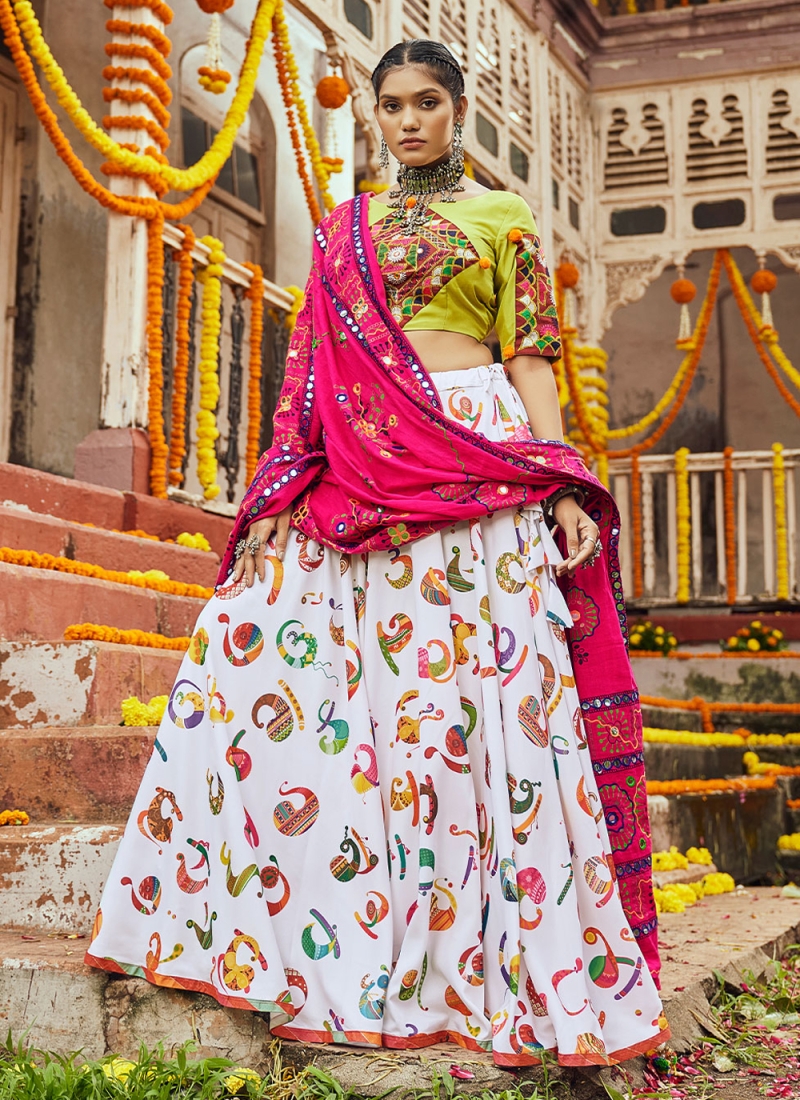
{"type": "Point", "coordinates": [458, 140]}
{"type": "Point", "coordinates": [383, 157]}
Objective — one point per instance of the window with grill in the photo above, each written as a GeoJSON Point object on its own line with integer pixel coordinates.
{"type": "Point", "coordinates": [724, 159]}
{"type": "Point", "coordinates": [487, 134]}
{"type": "Point", "coordinates": [556, 136]}
{"type": "Point", "coordinates": [518, 159]}
{"type": "Point", "coordinates": [638, 221]}
{"type": "Point", "coordinates": [625, 166]}
{"type": "Point", "coordinates": [519, 105]}
{"type": "Point", "coordinates": [783, 144]}
{"type": "Point", "coordinates": [240, 173]}
{"type": "Point", "coordinates": [718, 215]}
{"type": "Point", "coordinates": [487, 54]}
{"type": "Point", "coordinates": [417, 18]}
{"type": "Point", "coordinates": [453, 29]}
{"type": "Point", "coordinates": [359, 13]}
{"type": "Point", "coordinates": [786, 208]}
{"type": "Point", "coordinates": [574, 158]}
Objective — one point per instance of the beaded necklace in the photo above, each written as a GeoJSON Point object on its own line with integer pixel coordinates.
{"type": "Point", "coordinates": [416, 187]}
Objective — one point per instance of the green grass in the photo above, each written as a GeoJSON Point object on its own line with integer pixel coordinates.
{"type": "Point", "coordinates": [30, 1074]}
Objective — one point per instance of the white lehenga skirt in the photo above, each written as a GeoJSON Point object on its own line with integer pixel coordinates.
{"type": "Point", "coordinates": [370, 810]}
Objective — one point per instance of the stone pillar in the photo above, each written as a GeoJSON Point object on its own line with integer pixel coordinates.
{"type": "Point", "coordinates": [124, 394]}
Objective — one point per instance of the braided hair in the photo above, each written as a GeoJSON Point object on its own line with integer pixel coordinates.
{"type": "Point", "coordinates": [422, 51]}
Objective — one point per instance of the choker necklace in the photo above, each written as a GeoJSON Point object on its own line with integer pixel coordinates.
{"type": "Point", "coordinates": [416, 187]}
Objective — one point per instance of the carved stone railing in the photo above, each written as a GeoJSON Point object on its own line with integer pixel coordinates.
{"type": "Point", "coordinates": [754, 547]}
{"type": "Point", "coordinates": [232, 414]}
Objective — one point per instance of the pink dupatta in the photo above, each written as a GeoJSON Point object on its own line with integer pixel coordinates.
{"type": "Point", "coordinates": [364, 451]}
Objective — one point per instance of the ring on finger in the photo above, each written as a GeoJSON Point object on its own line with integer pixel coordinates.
{"type": "Point", "coordinates": [253, 544]}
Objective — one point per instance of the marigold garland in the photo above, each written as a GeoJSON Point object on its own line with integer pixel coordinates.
{"type": "Point", "coordinates": [95, 632]}
{"type": "Point", "coordinates": [741, 295]}
{"type": "Point", "coordinates": [710, 786]}
{"type": "Point", "coordinates": [684, 524]}
{"type": "Point", "coordinates": [215, 156]}
{"type": "Point", "coordinates": [789, 842]}
{"type": "Point", "coordinates": [707, 710]}
{"type": "Point", "coordinates": [183, 314]}
{"type": "Point", "coordinates": [255, 293]}
{"type": "Point", "coordinates": [793, 803]}
{"type": "Point", "coordinates": [155, 350]}
{"type": "Point", "coordinates": [781, 531]}
{"type": "Point", "coordinates": [756, 766]}
{"type": "Point", "coordinates": [34, 560]}
{"type": "Point", "coordinates": [637, 547]}
{"type": "Point", "coordinates": [210, 278]}
{"type": "Point", "coordinates": [286, 94]}
{"type": "Point", "coordinates": [283, 45]}
{"type": "Point", "coordinates": [197, 541]}
{"type": "Point", "coordinates": [729, 513]}
{"type": "Point", "coordinates": [691, 656]}
{"type": "Point", "coordinates": [687, 737]}
{"type": "Point", "coordinates": [13, 817]}
{"type": "Point", "coordinates": [159, 9]}
{"type": "Point", "coordinates": [133, 207]}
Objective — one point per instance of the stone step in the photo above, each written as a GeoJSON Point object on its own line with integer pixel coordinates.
{"type": "Point", "coordinates": [740, 828]}
{"type": "Point", "coordinates": [21, 529]}
{"type": "Point", "coordinates": [45, 684]}
{"type": "Point", "coordinates": [88, 774]}
{"type": "Point", "coordinates": [52, 875]}
{"type": "Point", "coordinates": [48, 995]}
{"type": "Point", "coordinates": [58, 1003]}
{"type": "Point", "coordinates": [82, 502]}
{"type": "Point", "coordinates": [742, 679]}
{"type": "Point", "coordinates": [667, 761]}
{"type": "Point", "coordinates": [40, 604]}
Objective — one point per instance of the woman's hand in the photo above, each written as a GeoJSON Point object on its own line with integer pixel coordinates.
{"type": "Point", "coordinates": [249, 564]}
{"type": "Point", "coordinates": [581, 532]}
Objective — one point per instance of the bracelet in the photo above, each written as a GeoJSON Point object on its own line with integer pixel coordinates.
{"type": "Point", "coordinates": [565, 491]}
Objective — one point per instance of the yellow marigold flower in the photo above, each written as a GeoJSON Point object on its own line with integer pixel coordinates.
{"type": "Point", "coordinates": [753, 644]}
{"type": "Point", "coordinates": [698, 855]}
{"type": "Point", "coordinates": [789, 842]}
{"type": "Point", "coordinates": [777, 634]}
{"type": "Point", "coordinates": [659, 630]}
{"type": "Point", "coordinates": [718, 883]}
{"type": "Point", "coordinates": [197, 541]}
{"type": "Point", "coordinates": [118, 1068]}
{"type": "Point", "coordinates": [137, 713]}
{"type": "Point", "coordinates": [238, 1079]}
{"type": "Point", "coordinates": [756, 623]}
{"type": "Point", "coordinates": [636, 639]}
{"type": "Point", "coordinates": [733, 641]}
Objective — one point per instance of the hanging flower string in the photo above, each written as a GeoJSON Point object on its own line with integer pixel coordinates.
{"type": "Point", "coordinates": [133, 207]}
{"type": "Point", "coordinates": [181, 179]}
{"type": "Point", "coordinates": [210, 278]}
{"type": "Point", "coordinates": [213, 78]}
{"type": "Point", "coordinates": [155, 348]}
{"type": "Point", "coordinates": [183, 312]}
{"type": "Point", "coordinates": [781, 532]}
{"type": "Point", "coordinates": [255, 293]}
{"type": "Point", "coordinates": [636, 527]}
{"type": "Point", "coordinates": [289, 103]}
{"type": "Point", "coordinates": [729, 514]}
{"type": "Point", "coordinates": [684, 524]}
{"type": "Point", "coordinates": [282, 44]}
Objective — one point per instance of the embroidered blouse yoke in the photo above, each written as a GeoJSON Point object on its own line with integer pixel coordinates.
{"type": "Point", "coordinates": [477, 264]}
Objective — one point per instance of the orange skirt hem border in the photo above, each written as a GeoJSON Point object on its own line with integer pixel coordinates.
{"type": "Point", "coordinates": [369, 1038]}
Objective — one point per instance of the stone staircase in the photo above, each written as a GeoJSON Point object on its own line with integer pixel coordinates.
{"type": "Point", "coordinates": [67, 761]}
{"type": "Point", "coordinates": [740, 828]}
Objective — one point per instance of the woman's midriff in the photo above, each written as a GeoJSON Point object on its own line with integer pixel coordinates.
{"type": "Point", "coordinates": [442, 351]}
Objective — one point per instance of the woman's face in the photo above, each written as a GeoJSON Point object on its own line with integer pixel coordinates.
{"type": "Point", "coordinates": [416, 115]}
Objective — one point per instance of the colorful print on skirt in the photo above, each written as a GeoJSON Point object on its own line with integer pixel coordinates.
{"type": "Point", "coordinates": [371, 811]}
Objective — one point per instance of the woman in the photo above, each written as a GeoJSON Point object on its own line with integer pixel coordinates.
{"type": "Point", "coordinates": [372, 808]}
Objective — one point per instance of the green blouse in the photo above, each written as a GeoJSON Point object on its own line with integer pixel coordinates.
{"type": "Point", "coordinates": [477, 264]}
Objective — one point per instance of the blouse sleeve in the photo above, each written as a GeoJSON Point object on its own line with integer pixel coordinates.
{"type": "Point", "coordinates": [527, 320]}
